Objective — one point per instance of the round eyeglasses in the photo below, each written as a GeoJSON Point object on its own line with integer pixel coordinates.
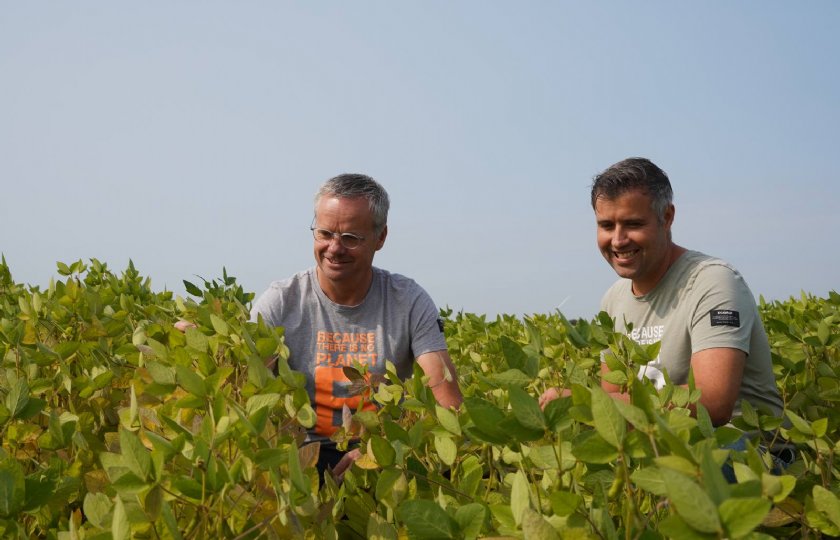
{"type": "Point", "coordinates": [347, 240]}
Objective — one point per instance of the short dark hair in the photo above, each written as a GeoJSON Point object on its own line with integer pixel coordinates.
{"type": "Point", "coordinates": [634, 173]}
{"type": "Point", "coordinates": [351, 186]}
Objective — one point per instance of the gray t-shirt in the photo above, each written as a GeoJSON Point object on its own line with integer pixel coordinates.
{"type": "Point", "coordinates": [396, 321]}
{"type": "Point", "coordinates": [700, 303]}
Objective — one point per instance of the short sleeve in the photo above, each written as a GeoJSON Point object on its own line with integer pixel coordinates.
{"type": "Point", "coordinates": [724, 312]}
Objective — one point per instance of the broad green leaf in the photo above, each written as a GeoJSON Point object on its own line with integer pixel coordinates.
{"type": "Point", "coordinates": [219, 325]}
{"type": "Point", "coordinates": [470, 518]}
{"type": "Point", "coordinates": [448, 420]}
{"type": "Point", "coordinates": [379, 529]}
{"type": "Point", "coordinates": [515, 356]}
{"type": "Point", "coordinates": [650, 479]}
{"type": "Point", "coordinates": [425, 520]}
{"type": "Point", "coordinates": [520, 496]}
{"type": "Point", "coordinates": [510, 377]}
{"type": "Point", "coordinates": [485, 416]}
{"type": "Point", "coordinates": [564, 503]}
{"type": "Point", "coordinates": [632, 414]}
{"type": "Point", "coordinates": [608, 421]}
{"type": "Point", "coordinates": [97, 508]}
{"type": "Point", "coordinates": [799, 423]}
{"type": "Point", "coordinates": [590, 447]}
{"type": "Point", "coordinates": [259, 401]}
{"type": "Point", "coordinates": [526, 409]}
{"type": "Point", "coordinates": [195, 339]}
{"type": "Point", "coordinates": [296, 473]}
{"type": "Point", "coordinates": [777, 487]}
{"type": "Point", "coordinates": [691, 502]}
{"type": "Point", "coordinates": [120, 527]}
{"type": "Point", "coordinates": [12, 485]}
{"type": "Point", "coordinates": [823, 332]}
{"type": "Point", "coordinates": [191, 381]}
{"type": "Point", "coordinates": [382, 451]}
{"type": "Point", "coordinates": [17, 397]}
{"type": "Point", "coordinates": [827, 503]}
{"type": "Point", "coordinates": [134, 455]}
{"type": "Point", "coordinates": [391, 487]}
{"type": "Point", "coordinates": [676, 527]}
{"type": "Point", "coordinates": [741, 516]}
{"type": "Point", "coordinates": [535, 527]}
{"type": "Point", "coordinates": [446, 450]}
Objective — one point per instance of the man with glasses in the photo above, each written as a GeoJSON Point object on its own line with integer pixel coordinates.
{"type": "Point", "coordinates": [346, 312]}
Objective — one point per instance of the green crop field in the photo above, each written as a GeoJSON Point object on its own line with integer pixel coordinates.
{"type": "Point", "coordinates": [116, 425]}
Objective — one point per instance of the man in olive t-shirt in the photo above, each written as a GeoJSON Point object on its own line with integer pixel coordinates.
{"type": "Point", "coordinates": [698, 307]}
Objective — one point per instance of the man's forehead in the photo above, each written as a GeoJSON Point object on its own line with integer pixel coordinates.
{"type": "Point", "coordinates": [347, 208]}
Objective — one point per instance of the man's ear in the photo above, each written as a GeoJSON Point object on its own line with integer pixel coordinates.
{"type": "Point", "coordinates": [381, 240]}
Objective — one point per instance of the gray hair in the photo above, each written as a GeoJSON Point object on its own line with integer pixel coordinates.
{"type": "Point", "coordinates": [635, 174]}
{"type": "Point", "coordinates": [352, 186]}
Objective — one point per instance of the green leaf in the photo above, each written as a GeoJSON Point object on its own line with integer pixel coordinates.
{"type": "Point", "coordinates": [520, 496]}
{"type": "Point", "coordinates": [608, 421]}
{"type": "Point", "coordinates": [741, 516]}
{"type": "Point", "coordinates": [120, 527]}
{"type": "Point", "coordinates": [590, 447]}
{"type": "Point", "coordinates": [425, 520]}
{"type": "Point", "coordinates": [296, 473]}
{"type": "Point", "coordinates": [448, 420]}
{"type": "Point", "coordinates": [632, 414]}
{"type": "Point", "coordinates": [192, 289]}
{"type": "Point", "coordinates": [827, 503]}
{"type": "Point", "coordinates": [526, 409]}
{"type": "Point", "coordinates": [12, 486]}
{"type": "Point", "coordinates": [650, 480]}
{"type": "Point", "coordinates": [219, 325]}
{"type": "Point", "coordinates": [823, 332]}
{"type": "Point", "coordinates": [564, 503]}
{"type": "Point", "coordinates": [515, 356]}
{"type": "Point", "coordinates": [470, 518]}
{"type": "Point", "coordinates": [195, 339]}
{"type": "Point", "coordinates": [97, 508]}
{"type": "Point", "coordinates": [18, 396]}
{"type": "Point", "coordinates": [485, 416]}
{"type": "Point", "coordinates": [691, 502]}
{"type": "Point", "coordinates": [799, 423]}
{"type": "Point", "coordinates": [510, 377]}
{"type": "Point", "coordinates": [134, 455]}
{"type": "Point", "coordinates": [446, 450]}
{"type": "Point", "coordinates": [535, 527]}
{"type": "Point", "coordinates": [379, 529]}
{"type": "Point", "coordinates": [383, 452]}
{"type": "Point", "coordinates": [391, 487]}
{"type": "Point", "coordinates": [191, 381]}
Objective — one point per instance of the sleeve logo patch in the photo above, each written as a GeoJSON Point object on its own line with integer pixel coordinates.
{"type": "Point", "coordinates": [725, 317]}
{"type": "Point", "coordinates": [440, 324]}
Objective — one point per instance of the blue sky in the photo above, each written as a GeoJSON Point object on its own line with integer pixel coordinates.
{"type": "Point", "coordinates": [188, 136]}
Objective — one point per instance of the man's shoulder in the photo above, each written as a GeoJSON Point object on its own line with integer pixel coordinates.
{"type": "Point", "coordinates": [293, 285]}
{"type": "Point", "coordinates": [709, 270]}
{"type": "Point", "coordinates": [395, 281]}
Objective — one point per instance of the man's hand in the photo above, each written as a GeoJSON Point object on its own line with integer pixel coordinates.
{"type": "Point", "coordinates": [344, 464]}
{"type": "Point", "coordinates": [553, 393]}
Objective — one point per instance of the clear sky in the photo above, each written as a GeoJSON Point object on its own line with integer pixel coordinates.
{"type": "Point", "coordinates": [190, 136]}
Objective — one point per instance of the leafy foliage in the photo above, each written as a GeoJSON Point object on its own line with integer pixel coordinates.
{"type": "Point", "coordinates": [116, 425]}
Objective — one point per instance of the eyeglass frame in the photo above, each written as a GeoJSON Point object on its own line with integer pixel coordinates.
{"type": "Point", "coordinates": [334, 235]}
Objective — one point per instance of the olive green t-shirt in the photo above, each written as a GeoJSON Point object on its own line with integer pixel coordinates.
{"type": "Point", "coordinates": [700, 303]}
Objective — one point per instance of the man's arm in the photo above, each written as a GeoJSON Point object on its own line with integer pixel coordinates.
{"type": "Point", "coordinates": [443, 380]}
{"type": "Point", "coordinates": [717, 374]}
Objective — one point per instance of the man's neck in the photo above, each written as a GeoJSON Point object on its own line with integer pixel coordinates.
{"type": "Point", "coordinates": [346, 293]}
{"type": "Point", "coordinates": [674, 253]}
